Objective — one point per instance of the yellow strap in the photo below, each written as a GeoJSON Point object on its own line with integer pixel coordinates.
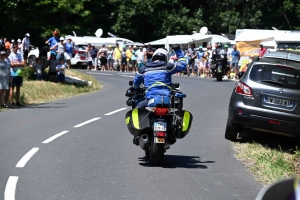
{"type": "Point", "coordinates": [157, 83]}
{"type": "Point", "coordinates": [181, 59]}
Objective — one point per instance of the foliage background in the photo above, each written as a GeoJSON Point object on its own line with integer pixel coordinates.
{"type": "Point", "coordinates": [140, 20]}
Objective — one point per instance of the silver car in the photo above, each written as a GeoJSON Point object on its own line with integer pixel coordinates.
{"type": "Point", "coordinates": [267, 96]}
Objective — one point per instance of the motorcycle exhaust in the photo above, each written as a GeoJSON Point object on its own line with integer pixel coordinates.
{"type": "Point", "coordinates": [144, 141]}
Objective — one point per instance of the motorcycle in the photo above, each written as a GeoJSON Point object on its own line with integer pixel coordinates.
{"type": "Point", "coordinates": [156, 127]}
{"type": "Point", "coordinates": [218, 71]}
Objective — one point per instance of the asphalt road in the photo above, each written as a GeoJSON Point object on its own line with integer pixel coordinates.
{"type": "Point", "coordinates": [79, 148]}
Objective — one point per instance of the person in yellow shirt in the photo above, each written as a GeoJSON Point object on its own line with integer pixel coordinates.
{"type": "Point", "coordinates": [117, 55]}
{"type": "Point", "coordinates": [129, 56]}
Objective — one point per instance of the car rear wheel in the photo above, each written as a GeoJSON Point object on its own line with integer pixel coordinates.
{"type": "Point", "coordinates": [231, 131]}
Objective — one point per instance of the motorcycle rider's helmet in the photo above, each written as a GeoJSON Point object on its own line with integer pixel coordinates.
{"type": "Point", "coordinates": [160, 54]}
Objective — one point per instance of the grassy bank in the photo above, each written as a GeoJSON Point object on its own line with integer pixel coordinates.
{"type": "Point", "coordinates": [269, 158]}
{"type": "Point", "coordinates": [41, 91]}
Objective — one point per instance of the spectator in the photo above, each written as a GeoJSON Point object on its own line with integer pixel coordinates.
{"type": "Point", "coordinates": [89, 57]}
{"type": "Point", "coordinates": [102, 56]}
{"type": "Point", "coordinates": [26, 46]}
{"type": "Point", "coordinates": [124, 59]}
{"type": "Point", "coordinates": [262, 50]}
{"type": "Point", "coordinates": [235, 58]}
{"type": "Point", "coordinates": [11, 42]}
{"type": "Point", "coordinates": [149, 53]}
{"type": "Point", "coordinates": [52, 63]}
{"type": "Point", "coordinates": [94, 53]}
{"type": "Point", "coordinates": [60, 68]}
{"type": "Point", "coordinates": [43, 50]}
{"type": "Point", "coordinates": [4, 78]}
{"type": "Point", "coordinates": [117, 55]}
{"type": "Point", "coordinates": [60, 49]}
{"type": "Point", "coordinates": [110, 59]}
{"type": "Point", "coordinates": [140, 57]}
{"type": "Point", "coordinates": [7, 60]}
{"type": "Point", "coordinates": [128, 56]}
{"type": "Point", "coordinates": [37, 66]}
{"type": "Point", "coordinates": [192, 56]}
{"type": "Point", "coordinates": [201, 64]}
{"type": "Point", "coordinates": [52, 41]}
{"type": "Point", "coordinates": [69, 45]}
{"type": "Point", "coordinates": [6, 43]}
{"type": "Point", "coordinates": [17, 64]}
{"type": "Point", "coordinates": [133, 59]}
{"type": "Point", "coordinates": [20, 47]}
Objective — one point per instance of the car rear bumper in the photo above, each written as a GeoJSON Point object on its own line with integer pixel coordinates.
{"type": "Point", "coordinates": [264, 119]}
{"type": "Point", "coordinates": [75, 61]}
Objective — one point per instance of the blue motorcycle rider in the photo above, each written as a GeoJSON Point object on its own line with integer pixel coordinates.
{"type": "Point", "coordinates": [156, 75]}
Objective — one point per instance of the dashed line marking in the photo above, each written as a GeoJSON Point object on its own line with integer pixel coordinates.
{"type": "Point", "coordinates": [113, 112]}
{"type": "Point", "coordinates": [27, 157]}
{"type": "Point", "coordinates": [54, 137]}
{"type": "Point", "coordinates": [10, 189]}
{"type": "Point", "coordinates": [87, 122]}
{"type": "Point", "coordinates": [127, 76]}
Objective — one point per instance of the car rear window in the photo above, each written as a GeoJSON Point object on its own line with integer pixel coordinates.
{"type": "Point", "coordinates": [282, 76]}
{"type": "Point", "coordinates": [80, 47]}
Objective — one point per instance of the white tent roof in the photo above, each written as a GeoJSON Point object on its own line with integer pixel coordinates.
{"type": "Point", "coordinates": [180, 39]}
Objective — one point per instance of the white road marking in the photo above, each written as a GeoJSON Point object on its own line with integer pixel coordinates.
{"type": "Point", "coordinates": [27, 157]}
{"type": "Point", "coordinates": [113, 112]}
{"type": "Point", "coordinates": [98, 73]}
{"type": "Point", "coordinates": [10, 189]}
{"type": "Point", "coordinates": [87, 122]}
{"type": "Point", "coordinates": [128, 76]}
{"type": "Point", "coordinates": [54, 137]}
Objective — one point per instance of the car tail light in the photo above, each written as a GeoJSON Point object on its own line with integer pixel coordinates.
{"type": "Point", "coordinates": [243, 89]}
{"type": "Point", "coordinates": [82, 55]}
{"type": "Point", "coordinates": [160, 134]}
{"type": "Point", "coordinates": [161, 111]}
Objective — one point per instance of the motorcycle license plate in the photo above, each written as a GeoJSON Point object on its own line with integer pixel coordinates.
{"type": "Point", "coordinates": [160, 126]}
{"type": "Point", "coordinates": [159, 140]}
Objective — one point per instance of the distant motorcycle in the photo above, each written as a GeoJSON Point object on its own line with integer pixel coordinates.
{"type": "Point", "coordinates": [157, 126]}
{"type": "Point", "coordinates": [218, 70]}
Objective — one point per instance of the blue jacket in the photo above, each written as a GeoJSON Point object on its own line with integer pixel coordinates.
{"type": "Point", "coordinates": [157, 76]}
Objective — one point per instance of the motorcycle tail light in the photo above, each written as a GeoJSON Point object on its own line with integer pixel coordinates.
{"type": "Point", "coordinates": [160, 134]}
{"type": "Point", "coordinates": [243, 89]}
{"type": "Point", "coordinates": [161, 111]}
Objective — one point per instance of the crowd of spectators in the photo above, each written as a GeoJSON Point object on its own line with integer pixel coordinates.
{"type": "Point", "coordinates": [14, 57]}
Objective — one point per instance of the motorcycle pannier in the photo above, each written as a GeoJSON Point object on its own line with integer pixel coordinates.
{"type": "Point", "coordinates": [137, 121]}
{"type": "Point", "coordinates": [186, 123]}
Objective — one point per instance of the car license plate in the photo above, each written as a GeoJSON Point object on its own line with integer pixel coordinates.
{"type": "Point", "coordinates": [279, 102]}
{"type": "Point", "coordinates": [160, 126]}
{"type": "Point", "coordinates": [159, 140]}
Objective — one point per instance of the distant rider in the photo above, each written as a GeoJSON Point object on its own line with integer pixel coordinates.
{"type": "Point", "coordinates": [156, 75]}
{"type": "Point", "coordinates": [219, 56]}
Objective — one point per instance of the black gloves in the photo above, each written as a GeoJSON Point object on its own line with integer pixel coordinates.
{"type": "Point", "coordinates": [175, 47]}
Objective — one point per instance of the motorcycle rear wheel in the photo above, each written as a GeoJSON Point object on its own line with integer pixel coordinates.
{"type": "Point", "coordinates": [219, 76]}
{"type": "Point", "coordinates": [156, 152]}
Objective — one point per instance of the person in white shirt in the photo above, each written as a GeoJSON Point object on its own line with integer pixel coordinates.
{"type": "Point", "coordinates": [60, 68]}
{"type": "Point", "coordinates": [20, 46]}
{"type": "Point", "coordinates": [26, 45]}
{"type": "Point", "coordinates": [17, 65]}
{"type": "Point", "coordinates": [140, 57]}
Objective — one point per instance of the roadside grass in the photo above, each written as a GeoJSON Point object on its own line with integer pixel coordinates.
{"type": "Point", "coordinates": [33, 92]}
{"type": "Point", "coordinates": [269, 158]}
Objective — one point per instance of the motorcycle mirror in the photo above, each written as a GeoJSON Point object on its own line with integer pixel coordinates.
{"type": "Point", "coordinates": [286, 189]}
{"type": "Point", "coordinates": [131, 83]}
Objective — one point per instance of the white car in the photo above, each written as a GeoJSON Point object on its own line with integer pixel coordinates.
{"type": "Point", "coordinates": [78, 55]}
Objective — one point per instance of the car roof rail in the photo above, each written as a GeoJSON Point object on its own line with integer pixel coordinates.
{"type": "Point", "coordinates": [283, 54]}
